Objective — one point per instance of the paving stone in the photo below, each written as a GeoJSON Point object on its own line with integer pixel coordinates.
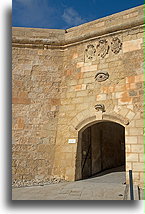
{"type": "Point", "coordinates": [104, 187]}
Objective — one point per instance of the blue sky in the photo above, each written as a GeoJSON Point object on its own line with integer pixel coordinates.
{"type": "Point", "coordinates": [63, 14]}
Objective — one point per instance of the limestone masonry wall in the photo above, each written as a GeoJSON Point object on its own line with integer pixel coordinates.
{"type": "Point", "coordinates": [58, 78]}
{"type": "Point", "coordinates": [36, 98]}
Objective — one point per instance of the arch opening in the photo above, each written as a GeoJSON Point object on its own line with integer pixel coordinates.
{"type": "Point", "coordinates": [101, 146]}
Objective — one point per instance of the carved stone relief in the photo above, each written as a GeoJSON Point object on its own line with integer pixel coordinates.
{"type": "Point", "coordinates": [116, 45]}
{"type": "Point", "coordinates": [102, 48]}
{"type": "Point", "coordinates": [101, 76]}
{"type": "Point", "coordinates": [100, 107]}
{"type": "Point", "coordinates": [90, 53]}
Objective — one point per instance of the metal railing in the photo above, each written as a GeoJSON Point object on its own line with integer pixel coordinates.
{"type": "Point", "coordinates": [131, 185]}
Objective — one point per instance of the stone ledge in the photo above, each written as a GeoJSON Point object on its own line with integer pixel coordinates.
{"type": "Point", "coordinates": [62, 39]}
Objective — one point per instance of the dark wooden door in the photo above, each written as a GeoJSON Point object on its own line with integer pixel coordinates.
{"type": "Point", "coordinates": [103, 147]}
{"type": "Point", "coordinates": [86, 154]}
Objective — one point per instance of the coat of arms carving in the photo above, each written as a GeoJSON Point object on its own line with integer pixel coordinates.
{"type": "Point", "coordinates": [90, 53]}
{"type": "Point", "coordinates": [116, 45]}
{"type": "Point", "coordinates": [102, 48]}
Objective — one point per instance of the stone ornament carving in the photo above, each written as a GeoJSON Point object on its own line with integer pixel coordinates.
{"type": "Point", "coordinates": [100, 107]}
{"type": "Point", "coordinates": [116, 45]}
{"type": "Point", "coordinates": [90, 53]}
{"type": "Point", "coordinates": [102, 48]}
{"type": "Point", "coordinates": [101, 76]}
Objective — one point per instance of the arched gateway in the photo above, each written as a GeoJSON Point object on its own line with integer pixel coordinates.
{"type": "Point", "coordinates": [101, 146]}
{"type": "Point", "coordinates": [78, 100]}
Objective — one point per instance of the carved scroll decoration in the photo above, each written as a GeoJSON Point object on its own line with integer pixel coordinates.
{"type": "Point", "coordinates": [100, 107]}
{"type": "Point", "coordinates": [102, 48]}
{"type": "Point", "coordinates": [90, 53]}
{"type": "Point", "coordinates": [116, 45]}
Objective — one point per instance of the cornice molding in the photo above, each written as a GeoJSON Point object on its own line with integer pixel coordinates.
{"type": "Point", "coordinates": [67, 41]}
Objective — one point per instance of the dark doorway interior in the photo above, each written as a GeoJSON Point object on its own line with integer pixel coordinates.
{"type": "Point", "coordinates": [101, 146]}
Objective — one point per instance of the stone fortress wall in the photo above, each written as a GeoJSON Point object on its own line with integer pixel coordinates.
{"type": "Point", "coordinates": [58, 78]}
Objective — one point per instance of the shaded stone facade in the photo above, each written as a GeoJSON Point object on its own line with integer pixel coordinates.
{"type": "Point", "coordinates": [59, 77]}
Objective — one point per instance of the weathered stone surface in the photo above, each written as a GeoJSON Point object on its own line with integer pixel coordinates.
{"type": "Point", "coordinates": [132, 45]}
{"type": "Point", "coordinates": [54, 93]}
{"type": "Point", "coordinates": [132, 157]}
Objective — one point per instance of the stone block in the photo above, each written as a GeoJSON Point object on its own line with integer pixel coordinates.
{"type": "Point", "coordinates": [136, 131]}
{"type": "Point", "coordinates": [103, 66]}
{"type": "Point", "coordinates": [136, 176]}
{"type": "Point", "coordinates": [75, 55]}
{"type": "Point", "coordinates": [118, 109]}
{"type": "Point", "coordinates": [70, 94]}
{"type": "Point", "coordinates": [127, 148]}
{"type": "Point", "coordinates": [79, 77]}
{"type": "Point", "coordinates": [139, 85]}
{"type": "Point", "coordinates": [73, 82]}
{"type": "Point", "coordinates": [132, 93]}
{"type": "Point", "coordinates": [21, 100]}
{"type": "Point", "coordinates": [82, 93]}
{"type": "Point", "coordinates": [137, 148]}
{"type": "Point", "coordinates": [89, 80]}
{"type": "Point", "coordinates": [131, 139]}
{"type": "Point", "coordinates": [140, 139]}
{"type": "Point", "coordinates": [89, 99]}
{"type": "Point", "coordinates": [120, 88]}
{"type": "Point", "coordinates": [89, 74]}
{"type": "Point", "coordinates": [67, 108]}
{"type": "Point", "coordinates": [135, 101]}
{"type": "Point", "coordinates": [82, 106]}
{"type": "Point", "coordinates": [132, 157]}
{"type": "Point", "coordinates": [132, 45]}
{"type": "Point", "coordinates": [80, 87]}
{"type": "Point", "coordinates": [125, 99]}
{"type": "Point", "coordinates": [139, 123]}
{"type": "Point", "coordinates": [123, 111]}
{"type": "Point", "coordinates": [77, 100]}
{"type": "Point", "coordinates": [138, 167]}
{"type": "Point", "coordinates": [79, 64]}
{"type": "Point", "coordinates": [80, 81]}
{"type": "Point", "coordinates": [141, 158]}
{"type": "Point", "coordinates": [70, 174]}
{"type": "Point", "coordinates": [130, 115]}
{"type": "Point", "coordinates": [55, 102]}
{"type": "Point", "coordinates": [128, 166]}
{"type": "Point", "coordinates": [118, 95]}
{"type": "Point", "coordinates": [99, 24]}
{"type": "Point", "coordinates": [141, 92]}
{"type": "Point", "coordinates": [89, 68]}
{"type": "Point", "coordinates": [53, 108]}
{"type": "Point", "coordinates": [101, 97]}
{"type": "Point", "coordinates": [132, 123]}
{"type": "Point", "coordinates": [141, 174]}
{"type": "Point", "coordinates": [139, 78]}
{"type": "Point", "coordinates": [131, 86]}
{"type": "Point", "coordinates": [130, 79]}
{"type": "Point", "coordinates": [130, 15]}
{"type": "Point", "coordinates": [130, 107]}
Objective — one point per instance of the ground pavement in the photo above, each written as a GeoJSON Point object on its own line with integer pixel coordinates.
{"type": "Point", "coordinates": [108, 186]}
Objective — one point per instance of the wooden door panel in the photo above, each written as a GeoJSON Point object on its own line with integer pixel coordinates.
{"type": "Point", "coordinates": [86, 153]}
